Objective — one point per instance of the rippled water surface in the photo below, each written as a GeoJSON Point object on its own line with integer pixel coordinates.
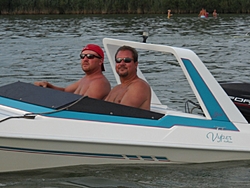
{"type": "Point", "coordinates": [47, 48]}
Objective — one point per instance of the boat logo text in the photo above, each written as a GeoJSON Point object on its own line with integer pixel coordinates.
{"type": "Point", "coordinates": [217, 137]}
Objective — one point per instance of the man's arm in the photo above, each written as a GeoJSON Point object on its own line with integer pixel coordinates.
{"type": "Point", "coordinates": [71, 88]}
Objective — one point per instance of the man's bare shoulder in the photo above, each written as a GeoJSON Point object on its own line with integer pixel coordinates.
{"type": "Point", "coordinates": [139, 83]}
{"type": "Point", "coordinates": [97, 87]}
{"type": "Point", "coordinates": [100, 80]}
{"type": "Point", "coordinates": [96, 78]}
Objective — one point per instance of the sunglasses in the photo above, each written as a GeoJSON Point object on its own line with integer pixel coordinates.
{"type": "Point", "coordinates": [125, 59]}
{"type": "Point", "coordinates": [89, 56]}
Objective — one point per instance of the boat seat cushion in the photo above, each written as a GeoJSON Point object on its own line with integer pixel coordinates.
{"type": "Point", "coordinates": [32, 94]}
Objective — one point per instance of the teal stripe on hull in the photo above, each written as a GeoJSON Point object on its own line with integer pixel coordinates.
{"type": "Point", "coordinates": [213, 107]}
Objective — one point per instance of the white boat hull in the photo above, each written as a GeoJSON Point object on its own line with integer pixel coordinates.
{"type": "Point", "coordinates": [39, 154]}
{"type": "Point", "coordinates": [41, 144]}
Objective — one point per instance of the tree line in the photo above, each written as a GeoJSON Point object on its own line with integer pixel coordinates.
{"type": "Point", "coordinates": [122, 6]}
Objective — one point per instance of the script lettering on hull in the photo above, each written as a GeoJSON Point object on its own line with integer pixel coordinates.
{"type": "Point", "coordinates": [218, 137]}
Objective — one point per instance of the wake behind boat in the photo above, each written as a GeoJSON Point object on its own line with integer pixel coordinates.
{"type": "Point", "coordinates": [44, 128]}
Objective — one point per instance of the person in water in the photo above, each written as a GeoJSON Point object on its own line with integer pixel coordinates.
{"type": "Point", "coordinates": [169, 13]}
{"type": "Point", "coordinates": [203, 13]}
{"type": "Point", "coordinates": [215, 13]}
{"type": "Point", "coordinates": [133, 91]}
{"type": "Point", "coordinates": [94, 84]}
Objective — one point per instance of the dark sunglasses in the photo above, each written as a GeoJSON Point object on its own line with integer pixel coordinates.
{"type": "Point", "coordinates": [89, 56]}
{"type": "Point", "coordinates": [125, 59]}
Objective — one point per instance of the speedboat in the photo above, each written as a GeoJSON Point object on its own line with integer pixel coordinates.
{"type": "Point", "coordinates": [45, 128]}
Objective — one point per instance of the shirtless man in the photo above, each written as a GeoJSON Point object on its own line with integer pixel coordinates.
{"type": "Point", "coordinates": [94, 84]}
{"type": "Point", "coordinates": [169, 13]}
{"type": "Point", "coordinates": [202, 13]}
{"type": "Point", "coordinates": [133, 91]}
{"type": "Point", "coordinates": [215, 13]}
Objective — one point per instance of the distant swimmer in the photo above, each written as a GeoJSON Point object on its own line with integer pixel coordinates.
{"type": "Point", "coordinates": [206, 13]}
{"type": "Point", "coordinates": [215, 13]}
{"type": "Point", "coordinates": [169, 13]}
{"type": "Point", "coordinates": [202, 13]}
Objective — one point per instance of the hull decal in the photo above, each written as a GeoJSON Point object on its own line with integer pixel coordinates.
{"type": "Point", "coordinates": [84, 154]}
{"type": "Point", "coordinates": [212, 105]}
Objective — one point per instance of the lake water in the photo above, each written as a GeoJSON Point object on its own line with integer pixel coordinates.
{"type": "Point", "coordinates": [47, 48]}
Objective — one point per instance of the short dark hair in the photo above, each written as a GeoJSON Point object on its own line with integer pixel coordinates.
{"type": "Point", "coordinates": [129, 48]}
